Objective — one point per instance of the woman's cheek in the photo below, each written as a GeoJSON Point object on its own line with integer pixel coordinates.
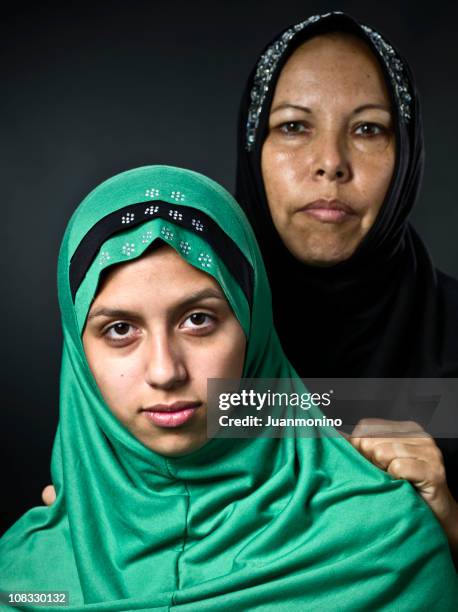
{"type": "Point", "coordinates": [372, 177]}
{"type": "Point", "coordinates": [381, 168]}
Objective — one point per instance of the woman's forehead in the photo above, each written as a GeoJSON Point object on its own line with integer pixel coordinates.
{"type": "Point", "coordinates": [336, 63]}
{"type": "Point", "coordinates": [329, 41]}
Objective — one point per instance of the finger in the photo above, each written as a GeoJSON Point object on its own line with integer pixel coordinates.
{"type": "Point", "coordinates": [367, 443]}
{"type": "Point", "coordinates": [430, 482]}
{"type": "Point", "coordinates": [387, 428]}
{"type": "Point", "coordinates": [404, 446]}
{"type": "Point", "coordinates": [383, 453]}
{"type": "Point", "coordinates": [370, 441]}
{"type": "Point", "coordinates": [423, 475]}
{"type": "Point", "coordinates": [48, 495]}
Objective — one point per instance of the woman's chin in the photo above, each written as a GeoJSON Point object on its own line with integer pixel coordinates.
{"type": "Point", "coordinates": [321, 249]}
{"type": "Point", "coordinates": [324, 255]}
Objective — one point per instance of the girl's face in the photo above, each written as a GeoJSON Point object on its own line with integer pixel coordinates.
{"type": "Point", "coordinates": [329, 154]}
{"type": "Point", "coordinates": [157, 329]}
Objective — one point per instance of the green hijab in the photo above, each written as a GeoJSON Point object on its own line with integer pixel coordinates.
{"type": "Point", "coordinates": [241, 524]}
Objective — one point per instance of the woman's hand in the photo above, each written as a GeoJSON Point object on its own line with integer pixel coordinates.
{"type": "Point", "coordinates": [405, 450]}
{"type": "Point", "coordinates": [48, 495]}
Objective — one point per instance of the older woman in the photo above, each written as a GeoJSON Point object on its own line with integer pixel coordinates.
{"type": "Point", "coordinates": [329, 167]}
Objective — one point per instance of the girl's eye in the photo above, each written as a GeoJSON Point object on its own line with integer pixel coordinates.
{"type": "Point", "coordinates": [293, 127]}
{"type": "Point", "coordinates": [119, 331]}
{"type": "Point", "coordinates": [199, 321]}
{"type": "Point", "coordinates": [370, 129]}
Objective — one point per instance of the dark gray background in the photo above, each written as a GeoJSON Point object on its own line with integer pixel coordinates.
{"type": "Point", "coordinates": [89, 92]}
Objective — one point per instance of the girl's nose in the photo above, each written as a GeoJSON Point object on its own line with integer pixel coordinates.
{"type": "Point", "coordinates": [165, 364]}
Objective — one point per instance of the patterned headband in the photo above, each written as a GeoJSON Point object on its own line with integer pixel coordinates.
{"type": "Point", "coordinates": [269, 60]}
{"type": "Point", "coordinates": [196, 221]}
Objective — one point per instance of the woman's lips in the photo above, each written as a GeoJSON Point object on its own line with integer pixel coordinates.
{"type": "Point", "coordinates": [172, 415]}
{"type": "Point", "coordinates": [328, 211]}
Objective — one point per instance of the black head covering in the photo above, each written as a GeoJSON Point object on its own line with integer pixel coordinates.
{"type": "Point", "coordinates": [386, 311]}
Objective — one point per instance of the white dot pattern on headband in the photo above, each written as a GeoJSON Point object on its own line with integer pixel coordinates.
{"type": "Point", "coordinates": [152, 192]}
{"type": "Point", "coordinates": [147, 237]}
{"type": "Point", "coordinates": [151, 210]}
{"type": "Point", "coordinates": [205, 260]}
{"type": "Point", "coordinates": [168, 234]}
{"type": "Point", "coordinates": [185, 247]}
{"type": "Point", "coordinates": [176, 215]}
{"type": "Point", "coordinates": [104, 258]}
{"type": "Point", "coordinates": [178, 196]}
{"type": "Point", "coordinates": [198, 225]}
{"type": "Point", "coordinates": [128, 248]}
{"type": "Point", "coordinates": [127, 218]}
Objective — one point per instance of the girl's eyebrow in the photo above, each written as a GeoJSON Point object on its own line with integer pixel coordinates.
{"type": "Point", "coordinates": [201, 295]}
{"type": "Point", "coordinates": [120, 313]}
{"type": "Point", "coordinates": [113, 313]}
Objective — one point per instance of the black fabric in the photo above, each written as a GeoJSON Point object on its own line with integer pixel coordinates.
{"type": "Point", "coordinates": [386, 311]}
{"type": "Point", "coordinates": [135, 214]}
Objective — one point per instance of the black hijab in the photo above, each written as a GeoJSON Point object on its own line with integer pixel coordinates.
{"type": "Point", "coordinates": [386, 311]}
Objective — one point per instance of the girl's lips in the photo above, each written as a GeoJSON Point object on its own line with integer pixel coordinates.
{"type": "Point", "coordinates": [170, 418]}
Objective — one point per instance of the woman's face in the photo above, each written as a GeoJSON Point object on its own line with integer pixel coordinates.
{"type": "Point", "coordinates": [157, 329]}
{"type": "Point", "coordinates": [329, 155]}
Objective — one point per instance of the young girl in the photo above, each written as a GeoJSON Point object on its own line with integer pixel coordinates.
{"type": "Point", "coordinates": [161, 286]}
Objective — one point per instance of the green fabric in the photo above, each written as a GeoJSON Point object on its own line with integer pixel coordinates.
{"type": "Point", "coordinates": [260, 524]}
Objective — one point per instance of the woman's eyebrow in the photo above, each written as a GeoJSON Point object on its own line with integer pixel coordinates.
{"type": "Point", "coordinates": [284, 105]}
{"type": "Point", "coordinates": [364, 107]}
{"type": "Point", "coordinates": [306, 109]}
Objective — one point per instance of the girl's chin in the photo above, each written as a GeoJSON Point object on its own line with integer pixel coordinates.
{"type": "Point", "coordinates": [173, 447]}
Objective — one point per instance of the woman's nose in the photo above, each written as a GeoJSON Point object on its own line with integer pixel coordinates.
{"type": "Point", "coordinates": [165, 363]}
{"type": "Point", "coordinates": [330, 160]}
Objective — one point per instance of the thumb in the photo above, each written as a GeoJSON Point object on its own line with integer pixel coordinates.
{"type": "Point", "coordinates": [48, 495]}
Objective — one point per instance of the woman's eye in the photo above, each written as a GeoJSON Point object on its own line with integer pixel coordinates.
{"type": "Point", "coordinates": [370, 129]}
{"type": "Point", "coordinates": [199, 321]}
{"type": "Point", "coordinates": [293, 127]}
